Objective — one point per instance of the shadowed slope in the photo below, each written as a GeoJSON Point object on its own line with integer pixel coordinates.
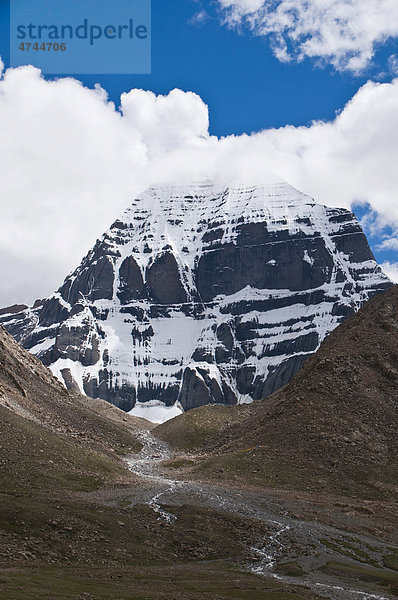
{"type": "Point", "coordinates": [57, 541]}
{"type": "Point", "coordinates": [332, 427]}
{"type": "Point", "coordinates": [29, 390]}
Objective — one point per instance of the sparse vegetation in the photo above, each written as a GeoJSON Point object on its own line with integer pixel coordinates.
{"type": "Point", "coordinates": [201, 425]}
{"type": "Point", "coordinates": [205, 581]}
{"type": "Point", "coordinates": [391, 560]}
{"type": "Point", "coordinates": [67, 526]}
{"type": "Point", "coordinates": [352, 571]}
{"type": "Point", "coordinates": [332, 429]}
{"type": "Point", "coordinates": [291, 569]}
{"type": "Point", "coordinates": [70, 529]}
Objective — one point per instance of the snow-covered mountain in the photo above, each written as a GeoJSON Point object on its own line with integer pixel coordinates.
{"type": "Point", "coordinates": [200, 294]}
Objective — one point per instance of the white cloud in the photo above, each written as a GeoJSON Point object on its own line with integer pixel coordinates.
{"type": "Point", "coordinates": [391, 269]}
{"type": "Point", "coordinates": [349, 160]}
{"type": "Point", "coordinates": [342, 32]}
{"type": "Point", "coordinates": [199, 18]}
{"type": "Point", "coordinates": [388, 244]}
{"type": "Point", "coordinates": [241, 8]}
{"type": "Point", "coordinates": [393, 64]}
{"type": "Point", "coordinates": [70, 163]}
{"type": "Point", "coordinates": [165, 122]}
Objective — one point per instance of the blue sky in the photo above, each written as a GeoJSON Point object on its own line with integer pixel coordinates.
{"type": "Point", "coordinates": [237, 75]}
{"type": "Point", "coordinates": [246, 88]}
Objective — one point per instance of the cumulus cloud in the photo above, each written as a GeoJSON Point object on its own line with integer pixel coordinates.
{"type": "Point", "coordinates": [389, 244]}
{"type": "Point", "coordinates": [391, 270]}
{"type": "Point", "coordinates": [344, 33]}
{"type": "Point", "coordinates": [167, 122]}
{"type": "Point", "coordinates": [70, 161]}
{"type": "Point", "coordinates": [350, 160]}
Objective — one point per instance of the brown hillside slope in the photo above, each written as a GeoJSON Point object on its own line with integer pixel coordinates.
{"type": "Point", "coordinates": [29, 390]}
{"type": "Point", "coordinates": [333, 427]}
{"type": "Point", "coordinates": [50, 439]}
{"type": "Point", "coordinates": [58, 541]}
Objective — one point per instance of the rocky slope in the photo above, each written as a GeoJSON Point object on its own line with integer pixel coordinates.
{"type": "Point", "coordinates": [32, 397]}
{"type": "Point", "coordinates": [75, 524]}
{"type": "Point", "coordinates": [202, 294]}
{"type": "Point", "coordinates": [333, 427]}
{"type": "Point", "coordinates": [68, 526]}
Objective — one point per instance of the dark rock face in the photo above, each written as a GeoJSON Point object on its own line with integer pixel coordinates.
{"type": "Point", "coordinates": [230, 268]}
{"type": "Point", "coordinates": [69, 381]}
{"type": "Point", "coordinates": [278, 377]}
{"type": "Point", "coordinates": [15, 309]}
{"type": "Point", "coordinates": [68, 344]}
{"type": "Point", "coordinates": [94, 280]}
{"type": "Point", "coordinates": [194, 391]}
{"type": "Point", "coordinates": [199, 387]}
{"type": "Point", "coordinates": [163, 279]}
{"type": "Point", "coordinates": [53, 311]}
{"type": "Point", "coordinates": [217, 296]}
{"type": "Point", "coordinates": [131, 284]}
{"type": "Point", "coordinates": [245, 380]}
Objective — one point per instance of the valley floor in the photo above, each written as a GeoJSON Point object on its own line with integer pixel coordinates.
{"type": "Point", "coordinates": [337, 548]}
{"type": "Point", "coordinates": [160, 536]}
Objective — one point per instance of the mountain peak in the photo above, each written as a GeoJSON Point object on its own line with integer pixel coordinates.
{"type": "Point", "coordinates": [201, 293]}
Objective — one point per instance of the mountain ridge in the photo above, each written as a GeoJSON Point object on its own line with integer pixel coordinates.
{"type": "Point", "coordinates": [202, 294]}
{"type": "Point", "coordinates": [75, 522]}
{"type": "Point", "coordinates": [332, 428]}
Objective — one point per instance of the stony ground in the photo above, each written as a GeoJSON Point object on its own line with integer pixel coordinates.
{"type": "Point", "coordinates": [156, 535]}
{"type": "Point", "coordinates": [332, 429]}
{"type": "Point", "coordinates": [67, 527]}
{"type": "Point", "coordinates": [246, 506]}
{"type": "Point", "coordinates": [321, 542]}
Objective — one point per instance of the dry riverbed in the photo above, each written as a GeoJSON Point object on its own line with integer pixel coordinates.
{"type": "Point", "coordinates": [303, 545]}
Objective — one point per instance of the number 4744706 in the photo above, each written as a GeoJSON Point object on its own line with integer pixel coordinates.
{"type": "Point", "coordinates": [44, 47]}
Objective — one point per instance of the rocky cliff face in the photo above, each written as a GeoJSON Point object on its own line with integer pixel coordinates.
{"type": "Point", "coordinates": [202, 294]}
